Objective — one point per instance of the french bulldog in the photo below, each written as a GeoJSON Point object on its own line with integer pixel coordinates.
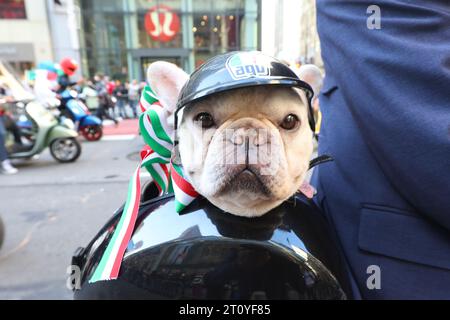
{"type": "Point", "coordinates": [245, 150]}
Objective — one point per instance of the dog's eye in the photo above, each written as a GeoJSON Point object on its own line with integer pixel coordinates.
{"type": "Point", "coordinates": [206, 120]}
{"type": "Point", "coordinates": [290, 122]}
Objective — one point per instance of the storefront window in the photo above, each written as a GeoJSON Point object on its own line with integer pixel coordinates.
{"type": "Point", "coordinates": [217, 6]}
{"type": "Point", "coordinates": [103, 5]}
{"type": "Point", "coordinates": [228, 5]}
{"type": "Point", "coordinates": [147, 4]}
{"type": "Point", "coordinates": [217, 27]}
{"type": "Point", "coordinates": [217, 31]}
{"type": "Point", "coordinates": [131, 34]}
{"type": "Point", "coordinates": [108, 62]}
{"type": "Point", "coordinates": [104, 40]}
{"type": "Point", "coordinates": [12, 9]}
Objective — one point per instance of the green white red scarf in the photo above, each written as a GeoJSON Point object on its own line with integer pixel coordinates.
{"type": "Point", "coordinates": [168, 177]}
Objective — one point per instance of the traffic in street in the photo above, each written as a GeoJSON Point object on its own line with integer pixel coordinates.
{"type": "Point", "coordinates": [52, 208]}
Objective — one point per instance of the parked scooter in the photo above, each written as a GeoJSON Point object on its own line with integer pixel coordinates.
{"type": "Point", "coordinates": [87, 124]}
{"type": "Point", "coordinates": [45, 131]}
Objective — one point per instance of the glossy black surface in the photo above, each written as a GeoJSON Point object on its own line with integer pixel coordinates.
{"type": "Point", "coordinates": [213, 77]}
{"type": "Point", "coordinates": [205, 253]}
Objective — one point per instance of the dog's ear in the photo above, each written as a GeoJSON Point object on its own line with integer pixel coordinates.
{"type": "Point", "coordinates": [166, 80]}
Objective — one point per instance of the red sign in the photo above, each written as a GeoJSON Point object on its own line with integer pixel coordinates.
{"type": "Point", "coordinates": [161, 23]}
{"type": "Point", "coordinates": [12, 9]}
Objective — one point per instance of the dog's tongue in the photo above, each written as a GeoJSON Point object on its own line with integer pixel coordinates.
{"type": "Point", "coordinates": [307, 189]}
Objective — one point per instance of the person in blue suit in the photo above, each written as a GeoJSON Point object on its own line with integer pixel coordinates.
{"type": "Point", "coordinates": [386, 122]}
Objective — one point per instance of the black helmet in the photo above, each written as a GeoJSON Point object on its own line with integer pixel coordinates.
{"type": "Point", "coordinates": [206, 253]}
{"type": "Point", "coordinates": [239, 69]}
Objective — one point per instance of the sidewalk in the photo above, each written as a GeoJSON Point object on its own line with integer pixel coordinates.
{"type": "Point", "coordinates": [126, 129]}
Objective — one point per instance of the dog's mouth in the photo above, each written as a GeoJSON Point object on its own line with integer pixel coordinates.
{"type": "Point", "coordinates": [248, 180]}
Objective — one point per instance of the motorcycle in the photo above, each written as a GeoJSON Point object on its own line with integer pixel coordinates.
{"type": "Point", "coordinates": [206, 253]}
{"type": "Point", "coordinates": [87, 124]}
{"type": "Point", "coordinates": [43, 130]}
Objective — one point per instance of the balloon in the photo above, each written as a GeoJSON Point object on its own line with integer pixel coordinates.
{"type": "Point", "coordinates": [46, 65]}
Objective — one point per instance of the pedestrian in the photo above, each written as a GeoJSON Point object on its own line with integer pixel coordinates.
{"type": "Point", "coordinates": [121, 94]}
{"type": "Point", "coordinates": [133, 96]}
{"type": "Point", "coordinates": [110, 85]}
{"type": "Point", "coordinates": [99, 84]}
{"type": "Point", "coordinates": [142, 85]}
{"type": "Point", "coordinates": [104, 100]}
{"type": "Point", "coordinates": [5, 164]}
{"type": "Point", "coordinates": [69, 67]}
{"type": "Point", "coordinates": [89, 95]}
{"type": "Point", "coordinates": [385, 121]}
{"type": "Point", "coordinates": [9, 123]}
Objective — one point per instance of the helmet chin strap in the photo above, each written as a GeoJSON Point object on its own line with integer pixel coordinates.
{"type": "Point", "coordinates": [319, 160]}
{"type": "Point", "coordinates": [309, 96]}
{"type": "Point", "coordinates": [175, 151]}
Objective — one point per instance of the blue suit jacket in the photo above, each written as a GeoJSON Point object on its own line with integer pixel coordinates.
{"type": "Point", "coordinates": [386, 122]}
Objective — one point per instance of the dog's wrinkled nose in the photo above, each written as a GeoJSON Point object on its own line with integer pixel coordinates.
{"type": "Point", "coordinates": [248, 142]}
{"type": "Point", "coordinates": [255, 137]}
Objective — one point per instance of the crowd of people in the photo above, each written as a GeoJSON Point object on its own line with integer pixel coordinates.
{"type": "Point", "coordinates": [107, 98]}
{"type": "Point", "coordinates": [113, 99]}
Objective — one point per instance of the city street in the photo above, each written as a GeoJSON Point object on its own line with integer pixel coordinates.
{"type": "Point", "coordinates": [53, 208]}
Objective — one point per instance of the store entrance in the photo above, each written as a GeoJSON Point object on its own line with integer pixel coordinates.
{"type": "Point", "coordinates": [146, 61]}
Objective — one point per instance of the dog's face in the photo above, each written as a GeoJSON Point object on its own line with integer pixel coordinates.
{"type": "Point", "coordinates": [246, 150]}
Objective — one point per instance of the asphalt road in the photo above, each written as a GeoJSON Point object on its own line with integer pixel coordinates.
{"type": "Point", "coordinates": [50, 209]}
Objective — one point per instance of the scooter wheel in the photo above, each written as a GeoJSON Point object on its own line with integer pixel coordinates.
{"type": "Point", "coordinates": [2, 233]}
{"type": "Point", "coordinates": [65, 149]}
{"type": "Point", "coordinates": [92, 133]}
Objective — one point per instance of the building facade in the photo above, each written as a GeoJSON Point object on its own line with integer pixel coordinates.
{"type": "Point", "coordinates": [64, 25]}
{"type": "Point", "coordinates": [24, 33]}
{"type": "Point", "coordinates": [121, 38]}
{"type": "Point", "coordinates": [308, 36]}
{"type": "Point", "coordinates": [289, 31]}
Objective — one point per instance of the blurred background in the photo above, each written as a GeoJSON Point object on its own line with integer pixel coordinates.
{"type": "Point", "coordinates": [68, 161]}
{"type": "Point", "coordinates": [111, 36]}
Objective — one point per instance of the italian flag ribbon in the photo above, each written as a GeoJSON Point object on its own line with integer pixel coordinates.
{"type": "Point", "coordinates": [168, 177]}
